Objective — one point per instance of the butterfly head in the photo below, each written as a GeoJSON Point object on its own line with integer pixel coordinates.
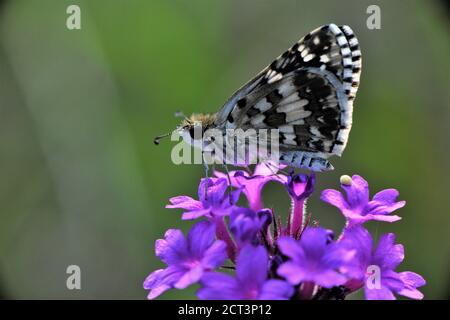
{"type": "Point", "coordinates": [192, 128]}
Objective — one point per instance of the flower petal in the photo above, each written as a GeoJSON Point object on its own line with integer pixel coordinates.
{"type": "Point", "coordinates": [334, 198]}
{"type": "Point", "coordinates": [216, 190]}
{"type": "Point", "coordinates": [329, 278]}
{"type": "Point", "coordinates": [388, 255]}
{"type": "Point", "coordinates": [157, 291]}
{"type": "Point", "coordinates": [153, 278]}
{"type": "Point", "coordinates": [192, 276]}
{"type": "Point", "coordinates": [276, 290]}
{"type": "Point", "coordinates": [173, 248]}
{"type": "Point", "coordinates": [218, 286]}
{"type": "Point", "coordinates": [387, 196]}
{"type": "Point", "coordinates": [384, 202]}
{"type": "Point", "coordinates": [378, 208]}
{"type": "Point", "coordinates": [338, 255]}
{"type": "Point", "coordinates": [382, 293]}
{"type": "Point", "coordinates": [265, 169]}
{"type": "Point", "coordinates": [252, 265]}
{"type": "Point", "coordinates": [184, 202]}
{"type": "Point", "coordinates": [291, 248]}
{"type": "Point", "coordinates": [253, 185]}
{"type": "Point", "coordinates": [235, 194]}
{"type": "Point", "coordinates": [379, 217]}
{"type": "Point", "coordinates": [293, 273]}
{"type": "Point", "coordinates": [411, 280]}
{"type": "Point", "coordinates": [359, 239]}
{"type": "Point", "coordinates": [200, 238]}
{"type": "Point", "coordinates": [215, 255]}
{"type": "Point", "coordinates": [268, 169]}
{"type": "Point", "coordinates": [314, 241]}
{"type": "Point", "coordinates": [411, 293]}
{"type": "Point", "coordinates": [195, 214]}
{"type": "Point", "coordinates": [245, 224]}
{"type": "Point", "coordinates": [357, 192]}
{"type": "Point", "coordinates": [161, 280]}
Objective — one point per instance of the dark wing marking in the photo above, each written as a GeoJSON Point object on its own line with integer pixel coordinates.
{"type": "Point", "coordinates": [308, 106]}
{"type": "Point", "coordinates": [351, 63]}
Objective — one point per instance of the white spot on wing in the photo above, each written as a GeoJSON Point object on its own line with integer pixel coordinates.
{"type": "Point", "coordinates": [297, 114]}
{"type": "Point", "coordinates": [341, 40]}
{"type": "Point", "coordinates": [277, 77]}
{"type": "Point", "coordinates": [345, 51]}
{"type": "Point", "coordinates": [324, 58]}
{"type": "Point", "coordinates": [334, 28]}
{"type": "Point", "coordinates": [259, 118]}
{"type": "Point", "coordinates": [286, 129]}
{"type": "Point", "coordinates": [292, 107]}
{"type": "Point", "coordinates": [289, 139]}
{"type": "Point", "coordinates": [263, 105]}
{"type": "Point", "coordinates": [309, 57]}
{"type": "Point", "coordinates": [353, 42]}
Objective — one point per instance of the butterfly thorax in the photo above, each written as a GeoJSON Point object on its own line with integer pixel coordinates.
{"type": "Point", "coordinates": [205, 119]}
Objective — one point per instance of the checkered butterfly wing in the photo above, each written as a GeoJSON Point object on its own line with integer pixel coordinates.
{"type": "Point", "coordinates": [307, 93]}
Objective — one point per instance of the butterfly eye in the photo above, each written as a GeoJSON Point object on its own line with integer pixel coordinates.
{"type": "Point", "coordinates": [193, 130]}
{"type": "Point", "coordinates": [196, 131]}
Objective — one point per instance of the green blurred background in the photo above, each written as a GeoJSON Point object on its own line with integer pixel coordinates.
{"type": "Point", "coordinates": [82, 183]}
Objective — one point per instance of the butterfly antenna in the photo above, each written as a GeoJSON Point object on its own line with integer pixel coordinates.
{"type": "Point", "coordinates": [180, 114]}
{"type": "Point", "coordinates": [158, 138]}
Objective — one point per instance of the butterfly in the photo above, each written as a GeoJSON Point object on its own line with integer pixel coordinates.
{"type": "Point", "coordinates": [306, 95]}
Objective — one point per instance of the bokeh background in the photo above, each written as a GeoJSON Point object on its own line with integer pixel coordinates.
{"type": "Point", "coordinates": [82, 183]}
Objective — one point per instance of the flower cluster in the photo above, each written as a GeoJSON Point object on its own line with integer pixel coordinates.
{"type": "Point", "coordinates": [269, 260]}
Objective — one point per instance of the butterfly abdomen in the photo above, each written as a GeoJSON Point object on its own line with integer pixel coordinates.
{"type": "Point", "coordinates": [307, 160]}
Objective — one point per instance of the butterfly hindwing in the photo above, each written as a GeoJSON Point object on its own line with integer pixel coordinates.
{"type": "Point", "coordinates": [351, 59]}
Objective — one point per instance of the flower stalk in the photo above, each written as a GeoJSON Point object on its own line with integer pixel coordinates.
{"type": "Point", "coordinates": [223, 234]}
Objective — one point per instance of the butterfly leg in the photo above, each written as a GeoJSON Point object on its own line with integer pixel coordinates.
{"type": "Point", "coordinates": [277, 169]}
{"type": "Point", "coordinates": [206, 167]}
{"type": "Point", "coordinates": [229, 181]}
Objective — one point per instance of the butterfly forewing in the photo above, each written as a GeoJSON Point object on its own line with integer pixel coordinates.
{"type": "Point", "coordinates": [307, 93]}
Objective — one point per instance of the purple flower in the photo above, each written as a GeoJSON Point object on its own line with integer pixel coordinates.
{"type": "Point", "coordinates": [252, 185]}
{"type": "Point", "coordinates": [374, 268]}
{"type": "Point", "coordinates": [245, 224]}
{"type": "Point", "coordinates": [357, 208]}
{"type": "Point", "coordinates": [216, 202]}
{"type": "Point", "coordinates": [271, 260]}
{"type": "Point", "coordinates": [313, 258]}
{"type": "Point", "coordinates": [250, 283]}
{"type": "Point", "coordinates": [299, 187]}
{"type": "Point", "coordinates": [186, 259]}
